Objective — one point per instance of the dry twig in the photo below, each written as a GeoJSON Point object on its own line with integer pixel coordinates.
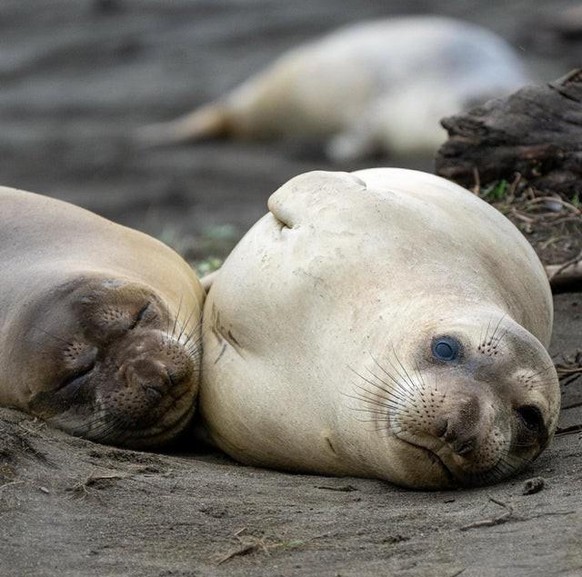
{"type": "Point", "coordinates": [503, 518]}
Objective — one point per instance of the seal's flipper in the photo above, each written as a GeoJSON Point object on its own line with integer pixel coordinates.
{"type": "Point", "coordinates": [208, 280]}
{"type": "Point", "coordinates": [209, 121]}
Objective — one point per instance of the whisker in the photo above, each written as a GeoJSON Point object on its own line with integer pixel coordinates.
{"type": "Point", "coordinates": [403, 381]}
{"type": "Point", "coordinates": [186, 323]}
{"type": "Point", "coordinates": [195, 332]}
{"type": "Point", "coordinates": [386, 393]}
{"type": "Point", "coordinates": [420, 378]}
{"type": "Point", "coordinates": [391, 390]}
{"type": "Point", "coordinates": [395, 401]}
{"type": "Point", "coordinates": [391, 377]}
{"type": "Point", "coordinates": [501, 336]}
{"type": "Point", "coordinates": [384, 403]}
{"type": "Point", "coordinates": [491, 339]}
{"type": "Point", "coordinates": [481, 333]}
{"type": "Point", "coordinates": [177, 316]}
{"type": "Point", "coordinates": [410, 381]}
{"type": "Point", "coordinates": [487, 331]}
{"type": "Point", "coordinates": [542, 371]}
{"type": "Point", "coordinates": [57, 338]}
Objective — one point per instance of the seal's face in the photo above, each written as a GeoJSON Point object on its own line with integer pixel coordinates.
{"type": "Point", "coordinates": [470, 404]}
{"type": "Point", "coordinates": [106, 359]}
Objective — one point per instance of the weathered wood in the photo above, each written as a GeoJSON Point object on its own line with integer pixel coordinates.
{"type": "Point", "coordinates": [536, 132]}
{"type": "Point", "coordinates": [565, 278]}
{"type": "Point", "coordinates": [566, 24]}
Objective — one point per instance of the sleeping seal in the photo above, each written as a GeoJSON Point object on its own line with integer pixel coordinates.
{"type": "Point", "coordinates": [99, 324]}
{"type": "Point", "coordinates": [374, 86]}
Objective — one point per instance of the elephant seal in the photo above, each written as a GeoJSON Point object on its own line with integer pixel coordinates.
{"type": "Point", "coordinates": [99, 324]}
{"type": "Point", "coordinates": [385, 323]}
{"type": "Point", "coordinates": [375, 86]}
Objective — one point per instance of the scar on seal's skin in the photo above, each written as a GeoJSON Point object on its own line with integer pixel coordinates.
{"type": "Point", "coordinates": [223, 335]}
{"type": "Point", "coordinates": [223, 348]}
{"type": "Point", "coordinates": [330, 445]}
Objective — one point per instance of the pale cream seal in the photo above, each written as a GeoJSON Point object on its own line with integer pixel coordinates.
{"type": "Point", "coordinates": [385, 323]}
{"type": "Point", "coordinates": [374, 86]}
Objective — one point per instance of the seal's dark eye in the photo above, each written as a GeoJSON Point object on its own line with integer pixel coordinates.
{"type": "Point", "coordinates": [446, 348]}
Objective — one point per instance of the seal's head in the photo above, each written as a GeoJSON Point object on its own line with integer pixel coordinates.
{"type": "Point", "coordinates": [385, 324]}
{"type": "Point", "coordinates": [99, 323]}
{"type": "Point", "coordinates": [106, 358]}
{"type": "Point", "coordinates": [461, 400]}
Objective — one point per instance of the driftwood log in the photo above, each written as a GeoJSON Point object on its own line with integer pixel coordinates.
{"type": "Point", "coordinates": [533, 137]}
{"type": "Point", "coordinates": [536, 132]}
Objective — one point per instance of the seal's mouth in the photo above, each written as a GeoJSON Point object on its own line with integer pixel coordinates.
{"type": "Point", "coordinates": [504, 468]}
{"type": "Point", "coordinates": [114, 424]}
{"type": "Point", "coordinates": [156, 436]}
{"type": "Point", "coordinates": [122, 430]}
{"type": "Point", "coordinates": [436, 460]}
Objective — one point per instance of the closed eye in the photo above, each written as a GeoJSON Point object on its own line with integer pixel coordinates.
{"type": "Point", "coordinates": [139, 317]}
{"type": "Point", "coordinates": [79, 374]}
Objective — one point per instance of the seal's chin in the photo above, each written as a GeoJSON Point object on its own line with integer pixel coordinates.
{"type": "Point", "coordinates": [117, 425]}
{"type": "Point", "coordinates": [164, 429]}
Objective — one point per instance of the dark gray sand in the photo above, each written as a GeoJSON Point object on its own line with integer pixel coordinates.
{"type": "Point", "coordinates": [77, 78]}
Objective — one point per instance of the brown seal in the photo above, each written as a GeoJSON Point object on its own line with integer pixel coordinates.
{"type": "Point", "coordinates": [100, 324]}
{"type": "Point", "coordinates": [385, 323]}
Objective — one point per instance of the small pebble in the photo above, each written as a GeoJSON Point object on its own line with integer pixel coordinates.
{"type": "Point", "coordinates": [553, 205]}
{"type": "Point", "coordinates": [534, 485]}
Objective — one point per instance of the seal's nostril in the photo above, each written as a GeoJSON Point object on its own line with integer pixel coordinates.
{"type": "Point", "coordinates": [464, 448]}
{"type": "Point", "coordinates": [152, 392]}
{"type": "Point", "coordinates": [461, 445]}
{"type": "Point", "coordinates": [172, 378]}
{"type": "Point", "coordinates": [440, 427]}
{"type": "Point", "coordinates": [531, 418]}
{"type": "Point", "coordinates": [457, 433]}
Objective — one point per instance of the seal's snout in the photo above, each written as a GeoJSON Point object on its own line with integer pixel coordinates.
{"type": "Point", "coordinates": [145, 375]}
{"type": "Point", "coordinates": [156, 364]}
{"type": "Point", "coordinates": [149, 377]}
{"type": "Point", "coordinates": [459, 427]}
{"type": "Point", "coordinates": [155, 361]}
{"type": "Point", "coordinates": [460, 436]}
{"type": "Point", "coordinates": [148, 383]}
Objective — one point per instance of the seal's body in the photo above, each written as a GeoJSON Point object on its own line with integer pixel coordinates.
{"type": "Point", "coordinates": [376, 86]}
{"type": "Point", "coordinates": [385, 323]}
{"type": "Point", "coordinates": [99, 324]}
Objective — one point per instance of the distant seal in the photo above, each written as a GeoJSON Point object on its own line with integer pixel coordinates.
{"type": "Point", "coordinates": [375, 86]}
{"type": "Point", "coordinates": [99, 324]}
{"type": "Point", "coordinates": [385, 323]}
